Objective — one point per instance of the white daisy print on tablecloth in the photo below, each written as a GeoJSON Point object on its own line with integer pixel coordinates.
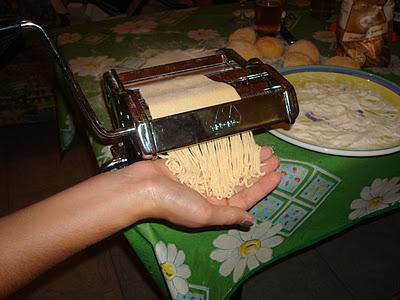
{"type": "Point", "coordinates": [95, 39]}
{"type": "Point", "coordinates": [91, 65]}
{"type": "Point", "coordinates": [67, 38]}
{"type": "Point", "coordinates": [175, 272]}
{"type": "Point", "coordinates": [203, 34]}
{"type": "Point", "coordinates": [105, 155]}
{"type": "Point", "coordinates": [135, 27]}
{"type": "Point", "coordinates": [392, 68]}
{"type": "Point", "coordinates": [238, 249]}
{"type": "Point", "coordinates": [174, 17]}
{"type": "Point", "coordinates": [381, 194]}
{"type": "Point", "coordinates": [170, 56]}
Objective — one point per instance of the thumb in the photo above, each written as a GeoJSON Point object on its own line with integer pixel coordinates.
{"type": "Point", "coordinates": [229, 215]}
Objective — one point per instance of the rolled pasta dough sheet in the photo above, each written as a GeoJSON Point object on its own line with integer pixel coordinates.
{"type": "Point", "coordinates": [185, 93]}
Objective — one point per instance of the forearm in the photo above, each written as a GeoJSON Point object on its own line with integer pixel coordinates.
{"type": "Point", "coordinates": [39, 236]}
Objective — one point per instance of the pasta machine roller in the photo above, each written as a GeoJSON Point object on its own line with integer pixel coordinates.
{"type": "Point", "coordinates": [266, 98]}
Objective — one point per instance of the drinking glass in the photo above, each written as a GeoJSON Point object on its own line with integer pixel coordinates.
{"type": "Point", "coordinates": [268, 16]}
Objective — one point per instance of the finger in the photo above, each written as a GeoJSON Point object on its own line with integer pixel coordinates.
{"type": "Point", "coordinates": [269, 166]}
{"type": "Point", "coordinates": [218, 202]}
{"type": "Point", "coordinates": [265, 153]}
{"type": "Point", "coordinates": [247, 198]}
{"type": "Point", "coordinates": [226, 215]}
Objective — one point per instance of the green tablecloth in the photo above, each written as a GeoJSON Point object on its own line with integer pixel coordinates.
{"type": "Point", "coordinates": [320, 194]}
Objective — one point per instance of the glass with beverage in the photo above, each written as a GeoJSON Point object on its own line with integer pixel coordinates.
{"type": "Point", "coordinates": [268, 16]}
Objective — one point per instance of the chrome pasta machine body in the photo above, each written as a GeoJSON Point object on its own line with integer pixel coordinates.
{"type": "Point", "coordinates": [266, 98]}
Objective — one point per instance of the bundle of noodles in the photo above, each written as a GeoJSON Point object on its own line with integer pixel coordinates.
{"type": "Point", "coordinates": [212, 168]}
{"type": "Point", "coordinates": [216, 167]}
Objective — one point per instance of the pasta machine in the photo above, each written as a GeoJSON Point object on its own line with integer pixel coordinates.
{"type": "Point", "coordinates": [266, 98]}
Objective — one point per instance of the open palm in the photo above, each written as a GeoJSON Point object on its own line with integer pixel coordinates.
{"type": "Point", "coordinates": [166, 198]}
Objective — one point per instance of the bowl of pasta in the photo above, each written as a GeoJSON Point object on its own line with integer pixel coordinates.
{"type": "Point", "coordinates": [343, 112]}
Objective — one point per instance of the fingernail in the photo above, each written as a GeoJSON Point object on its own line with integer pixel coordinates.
{"type": "Point", "coordinates": [246, 224]}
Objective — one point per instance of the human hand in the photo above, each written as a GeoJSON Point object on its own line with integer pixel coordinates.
{"type": "Point", "coordinates": [104, 204]}
{"type": "Point", "coordinates": [164, 197]}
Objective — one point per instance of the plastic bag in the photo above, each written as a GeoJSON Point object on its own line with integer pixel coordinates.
{"type": "Point", "coordinates": [364, 31]}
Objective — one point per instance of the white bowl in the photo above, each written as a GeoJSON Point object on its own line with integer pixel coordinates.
{"type": "Point", "coordinates": [358, 77]}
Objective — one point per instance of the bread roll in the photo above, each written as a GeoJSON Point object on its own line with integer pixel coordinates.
{"type": "Point", "coordinates": [243, 34]}
{"type": "Point", "coordinates": [296, 59]}
{"type": "Point", "coordinates": [306, 48]}
{"type": "Point", "coordinates": [245, 49]}
{"type": "Point", "coordinates": [270, 47]}
{"type": "Point", "coordinates": [342, 61]}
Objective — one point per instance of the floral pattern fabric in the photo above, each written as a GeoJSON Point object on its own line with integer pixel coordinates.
{"type": "Point", "coordinates": [381, 194]}
{"type": "Point", "coordinates": [237, 250]}
{"type": "Point", "coordinates": [175, 272]}
{"type": "Point", "coordinates": [318, 195]}
{"type": "Point", "coordinates": [135, 27]}
{"type": "Point", "coordinates": [91, 66]}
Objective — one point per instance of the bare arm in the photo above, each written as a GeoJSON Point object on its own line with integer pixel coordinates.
{"type": "Point", "coordinates": [40, 236]}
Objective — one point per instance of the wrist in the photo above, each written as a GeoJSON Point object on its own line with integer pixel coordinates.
{"type": "Point", "coordinates": [129, 194]}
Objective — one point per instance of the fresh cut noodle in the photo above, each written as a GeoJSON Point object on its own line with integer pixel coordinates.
{"type": "Point", "coordinates": [214, 168]}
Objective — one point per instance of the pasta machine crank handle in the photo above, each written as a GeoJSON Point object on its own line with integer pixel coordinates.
{"type": "Point", "coordinates": [71, 82]}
